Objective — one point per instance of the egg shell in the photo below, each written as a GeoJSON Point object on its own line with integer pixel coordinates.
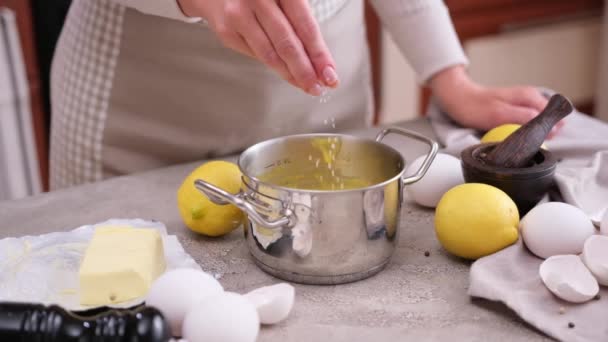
{"type": "Point", "coordinates": [224, 317]}
{"type": "Point", "coordinates": [444, 173]}
{"type": "Point", "coordinates": [175, 292]}
{"type": "Point", "coordinates": [595, 257]}
{"type": "Point", "coordinates": [555, 228]}
{"type": "Point", "coordinates": [273, 303]}
{"type": "Point", "coordinates": [567, 277]}
{"type": "Point", "coordinates": [604, 224]}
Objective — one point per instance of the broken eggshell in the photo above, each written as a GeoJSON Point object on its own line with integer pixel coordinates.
{"type": "Point", "coordinates": [555, 228]}
{"type": "Point", "coordinates": [567, 277]}
{"type": "Point", "coordinates": [273, 303]}
{"type": "Point", "coordinates": [595, 257]}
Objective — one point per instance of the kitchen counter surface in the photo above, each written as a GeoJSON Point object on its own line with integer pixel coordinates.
{"type": "Point", "coordinates": [416, 298]}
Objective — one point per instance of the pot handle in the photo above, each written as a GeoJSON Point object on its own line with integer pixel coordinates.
{"type": "Point", "coordinates": [222, 197]}
{"type": "Point", "coordinates": [410, 134]}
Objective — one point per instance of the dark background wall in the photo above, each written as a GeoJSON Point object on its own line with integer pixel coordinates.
{"type": "Point", "coordinates": [48, 17]}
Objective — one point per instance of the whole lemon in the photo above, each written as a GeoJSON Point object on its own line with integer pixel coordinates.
{"type": "Point", "coordinates": [500, 133]}
{"type": "Point", "coordinates": [473, 220]}
{"type": "Point", "coordinates": [198, 212]}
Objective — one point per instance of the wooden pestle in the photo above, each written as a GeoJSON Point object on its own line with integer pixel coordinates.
{"type": "Point", "coordinates": [520, 147]}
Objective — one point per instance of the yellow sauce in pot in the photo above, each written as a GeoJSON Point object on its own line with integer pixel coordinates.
{"type": "Point", "coordinates": [323, 173]}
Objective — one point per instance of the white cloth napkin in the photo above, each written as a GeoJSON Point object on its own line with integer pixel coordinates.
{"type": "Point", "coordinates": [511, 275]}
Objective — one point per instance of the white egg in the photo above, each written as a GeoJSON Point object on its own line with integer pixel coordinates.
{"type": "Point", "coordinates": [225, 317]}
{"type": "Point", "coordinates": [604, 224]}
{"type": "Point", "coordinates": [273, 303]}
{"type": "Point", "coordinates": [444, 173]}
{"type": "Point", "coordinates": [567, 277]}
{"type": "Point", "coordinates": [595, 257]}
{"type": "Point", "coordinates": [175, 292]}
{"type": "Point", "coordinates": [555, 228]}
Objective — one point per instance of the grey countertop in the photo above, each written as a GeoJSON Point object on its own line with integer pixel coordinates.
{"type": "Point", "coordinates": [416, 298]}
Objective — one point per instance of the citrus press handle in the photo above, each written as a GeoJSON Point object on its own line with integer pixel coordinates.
{"type": "Point", "coordinates": [22, 322]}
{"type": "Point", "coordinates": [223, 197]}
{"type": "Point", "coordinates": [428, 160]}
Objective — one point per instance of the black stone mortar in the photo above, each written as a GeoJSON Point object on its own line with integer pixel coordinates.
{"type": "Point", "coordinates": [525, 185]}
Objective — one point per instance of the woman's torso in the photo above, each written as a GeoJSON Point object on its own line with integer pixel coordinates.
{"type": "Point", "coordinates": [141, 92]}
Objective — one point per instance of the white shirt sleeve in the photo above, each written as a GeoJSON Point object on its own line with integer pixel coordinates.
{"type": "Point", "coordinates": [163, 8]}
{"type": "Point", "coordinates": [423, 31]}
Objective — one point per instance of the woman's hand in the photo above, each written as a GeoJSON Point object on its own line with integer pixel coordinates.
{"type": "Point", "coordinates": [483, 108]}
{"type": "Point", "coordinates": [282, 34]}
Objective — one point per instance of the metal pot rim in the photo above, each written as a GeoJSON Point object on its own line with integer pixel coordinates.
{"type": "Point", "coordinates": [308, 135]}
{"type": "Point", "coordinates": [222, 197]}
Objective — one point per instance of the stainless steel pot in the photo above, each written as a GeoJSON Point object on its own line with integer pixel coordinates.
{"type": "Point", "coordinates": [322, 236]}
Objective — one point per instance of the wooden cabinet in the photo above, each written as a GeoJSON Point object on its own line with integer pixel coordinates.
{"type": "Point", "coordinates": [22, 9]}
{"type": "Point", "coordinates": [475, 18]}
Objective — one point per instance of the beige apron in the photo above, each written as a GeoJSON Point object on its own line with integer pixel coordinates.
{"type": "Point", "coordinates": [180, 96]}
{"type": "Point", "coordinates": [133, 92]}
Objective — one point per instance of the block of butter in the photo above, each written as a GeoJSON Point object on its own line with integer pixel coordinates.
{"type": "Point", "coordinates": [120, 264]}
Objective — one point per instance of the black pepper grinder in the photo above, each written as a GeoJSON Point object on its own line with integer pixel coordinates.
{"type": "Point", "coordinates": [38, 323]}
